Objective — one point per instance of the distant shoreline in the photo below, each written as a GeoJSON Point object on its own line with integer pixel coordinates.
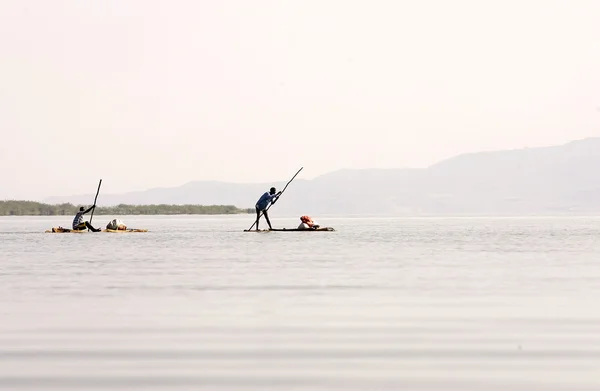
{"type": "Point", "coordinates": [32, 208]}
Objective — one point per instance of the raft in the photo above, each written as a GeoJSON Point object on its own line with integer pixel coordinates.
{"type": "Point", "coordinates": [61, 230]}
{"type": "Point", "coordinates": [321, 229]}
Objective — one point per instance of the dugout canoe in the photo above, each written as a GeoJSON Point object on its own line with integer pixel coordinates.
{"type": "Point", "coordinates": [61, 230]}
{"type": "Point", "coordinates": [322, 229]}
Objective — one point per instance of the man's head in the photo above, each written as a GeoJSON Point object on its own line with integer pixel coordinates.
{"type": "Point", "coordinates": [273, 190]}
{"type": "Point", "coordinates": [81, 209]}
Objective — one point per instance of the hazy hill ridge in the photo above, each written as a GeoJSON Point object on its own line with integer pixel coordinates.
{"type": "Point", "coordinates": [556, 179]}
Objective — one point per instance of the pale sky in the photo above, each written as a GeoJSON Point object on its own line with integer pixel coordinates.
{"type": "Point", "coordinates": [149, 93]}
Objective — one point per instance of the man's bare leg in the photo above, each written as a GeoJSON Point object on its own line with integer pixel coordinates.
{"type": "Point", "coordinates": [267, 218]}
{"type": "Point", "coordinates": [257, 217]}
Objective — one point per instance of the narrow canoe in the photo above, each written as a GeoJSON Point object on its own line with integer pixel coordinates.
{"type": "Point", "coordinates": [322, 229]}
{"type": "Point", "coordinates": [61, 230]}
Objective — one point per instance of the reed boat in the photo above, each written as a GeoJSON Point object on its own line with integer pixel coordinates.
{"type": "Point", "coordinates": [61, 230]}
{"type": "Point", "coordinates": [321, 229]}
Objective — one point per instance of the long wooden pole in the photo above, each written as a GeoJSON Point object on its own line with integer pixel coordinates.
{"type": "Point", "coordinates": [261, 213]}
{"type": "Point", "coordinates": [95, 199]}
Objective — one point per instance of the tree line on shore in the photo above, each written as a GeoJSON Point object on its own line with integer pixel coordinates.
{"type": "Point", "coordinates": [32, 208]}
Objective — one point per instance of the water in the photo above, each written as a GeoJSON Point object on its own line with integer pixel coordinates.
{"type": "Point", "coordinates": [380, 304]}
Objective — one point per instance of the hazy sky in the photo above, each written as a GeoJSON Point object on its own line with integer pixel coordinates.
{"type": "Point", "coordinates": [148, 93]}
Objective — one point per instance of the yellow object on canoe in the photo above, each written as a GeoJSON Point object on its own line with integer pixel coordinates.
{"type": "Point", "coordinates": [61, 230]}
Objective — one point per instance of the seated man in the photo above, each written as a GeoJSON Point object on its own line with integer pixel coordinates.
{"type": "Point", "coordinates": [307, 223]}
{"type": "Point", "coordinates": [79, 224]}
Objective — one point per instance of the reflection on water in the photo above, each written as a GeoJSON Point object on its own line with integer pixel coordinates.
{"type": "Point", "coordinates": [380, 304]}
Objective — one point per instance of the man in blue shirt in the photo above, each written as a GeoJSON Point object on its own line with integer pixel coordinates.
{"type": "Point", "coordinates": [263, 203]}
{"type": "Point", "coordinates": [79, 224]}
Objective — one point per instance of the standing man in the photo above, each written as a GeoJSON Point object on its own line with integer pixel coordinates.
{"type": "Point", "coordinates": [79, 224]}
{"type": "Point", "coordinates": [263, 202]}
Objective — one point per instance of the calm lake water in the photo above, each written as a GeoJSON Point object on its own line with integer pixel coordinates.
{"type": "Point", "coordinates": [380, 304]}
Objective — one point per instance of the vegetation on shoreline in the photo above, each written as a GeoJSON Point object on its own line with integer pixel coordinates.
{"type": "Point", "coordinates": [32, 208]}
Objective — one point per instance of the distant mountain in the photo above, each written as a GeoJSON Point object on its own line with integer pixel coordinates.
{"type": "Point", "coordinates": [559, 179]}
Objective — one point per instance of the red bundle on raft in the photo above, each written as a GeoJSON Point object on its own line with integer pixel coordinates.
{"type": "Point", "coordinates": [307, 223]}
